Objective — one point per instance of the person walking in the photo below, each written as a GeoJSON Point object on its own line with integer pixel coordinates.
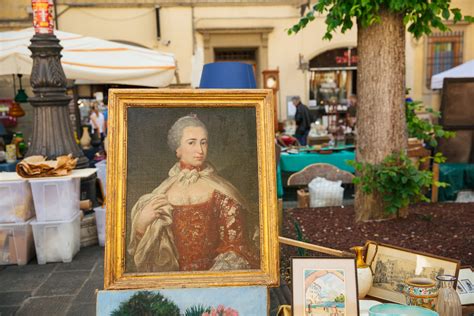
{"type": "Point", "coordinates": [303, 120]}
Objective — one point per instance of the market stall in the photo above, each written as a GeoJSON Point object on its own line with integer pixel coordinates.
{"type": "Point", "coordinates": [91, 60]}
{"type": "Point", "coordinates": [465, 70]}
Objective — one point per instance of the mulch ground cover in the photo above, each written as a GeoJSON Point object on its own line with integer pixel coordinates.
{"type": "Point", "coordinates": [442, 229]}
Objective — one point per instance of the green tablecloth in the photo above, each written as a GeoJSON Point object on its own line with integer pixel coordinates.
{"type": "Point", "coordinates": [459, 176]}
{"type": "Point", "coordinates": [279, 183]}
{"type": "Point", "coordinates": [296, 162]}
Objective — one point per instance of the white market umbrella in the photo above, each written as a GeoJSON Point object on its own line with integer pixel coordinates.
{"type": "Point", "coordinates": [91, 60]}
{"type": "Point", "coordinates": [465, 70]}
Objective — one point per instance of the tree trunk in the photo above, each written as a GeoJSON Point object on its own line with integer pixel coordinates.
{"type": "Point", "coordinates": [381, 124]}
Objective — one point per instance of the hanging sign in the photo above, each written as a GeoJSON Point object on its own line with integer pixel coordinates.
{"type": "Point", "coordinates": [335, 58]}
{"type": "Point", "coordinates": [43, 16]}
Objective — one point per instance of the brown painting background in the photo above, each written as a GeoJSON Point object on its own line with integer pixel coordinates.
{"type": "Point", "coordinates": [232, 151]}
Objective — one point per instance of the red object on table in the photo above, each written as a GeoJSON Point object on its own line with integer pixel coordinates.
{"type": "Point", "coordinates": [5, 118]}
{"type": "Point", "coordinates": [288, 140]}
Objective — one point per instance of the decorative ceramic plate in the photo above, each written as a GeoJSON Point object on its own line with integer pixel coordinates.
{"type": "Point", "coordinates": [364, 306]}
{"type": "Point", "coordinates": [397, 310]}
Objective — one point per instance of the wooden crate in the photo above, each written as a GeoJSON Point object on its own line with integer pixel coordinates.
{"type": "Point", "coordinates": [303, 198]}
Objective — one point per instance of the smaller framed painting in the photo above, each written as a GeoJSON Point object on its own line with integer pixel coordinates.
{"type": "Point", "coordinates": [392, 266]}
{"type": "Point", "coordinates": [324, 286]}
{"type": "Point", "coordinates": [465, 285]}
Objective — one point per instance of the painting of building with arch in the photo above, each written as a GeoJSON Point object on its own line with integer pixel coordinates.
{"type": "Point", "coordinates": [324, 292]}
{"type": "Point", "coordinates": [324, 286]}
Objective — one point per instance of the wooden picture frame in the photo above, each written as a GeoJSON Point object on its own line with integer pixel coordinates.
{"type": "Point", "coordinates": [324, 286]}
{"type": "Point", "coordinates": [456, 100]}
{"type": "Point", "coordinates": [392, 265]}
{"type": "Point", "coordinates": [191, 189]}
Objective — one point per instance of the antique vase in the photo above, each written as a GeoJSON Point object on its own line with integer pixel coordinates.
{"type": "Point", "coordinates": [421, 292]}
{"type": "Point", "coordinates": [449, 303]}
{"type": "Point", "coordinates": [364, 273]}
{"type": "Point", "coordinates": [86, 138]}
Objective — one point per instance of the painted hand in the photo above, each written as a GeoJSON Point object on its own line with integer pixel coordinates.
{"type": "Point", "coordinates": [150, 213]}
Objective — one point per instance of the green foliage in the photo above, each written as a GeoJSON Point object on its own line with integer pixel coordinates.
{"type": "Point", "coordinates": [419, 15]}
{"type": "Point", "coordinates": [424, 130]}
{"type": "Point", "coordinates": [397, 180]}
{"type": "Point", "coordinates": [197, 310]}
{"type": "Point", "coordinates": [145, 303]}
{"type": "Point", "coordinates": [340, 298]}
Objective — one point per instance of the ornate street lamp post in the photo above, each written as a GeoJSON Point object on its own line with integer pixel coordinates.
{"type": "Point", "coordinates": [52, 132]}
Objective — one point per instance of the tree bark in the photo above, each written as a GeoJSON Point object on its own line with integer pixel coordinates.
{"type": "Point", "coordinates": [381, 123]}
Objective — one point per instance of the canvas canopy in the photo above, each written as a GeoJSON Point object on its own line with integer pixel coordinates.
{"type": "Point", "coordinates": [91, 60]}
{"type": "Point", "coordinates": [465, 70]}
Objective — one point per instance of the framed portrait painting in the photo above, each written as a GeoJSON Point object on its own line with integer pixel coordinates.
{"type": "Point", "coordinates": [392, 266]}
{"type": "Point", "coordinates": [191, 198]}
{"type": "Point", "coordinates": [324, 286]}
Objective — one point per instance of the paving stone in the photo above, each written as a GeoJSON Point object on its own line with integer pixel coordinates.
{"type": "Point", "coordinates": [98, 270]}
{"type": "Point", "coordinates": [87, 293]}
{"type": "Point", "coordinates": [13, 298]}
{"type": "Point", "coordinates": [85, 259]}
{"type": "Point", "coordinates": [32, 267]}
{"type": "Point", "coordinates": [63, 283]}
{"type": "Point", "coordinates": [56, 306]}
{"type": "Point", "coordinates": [81, 310]}
{"type": "Point", "coordinates": [8, 310]}
{"type": "Point", "coordinates": [21, 281]}
{"type": "Point", "coordinates": [81, 262]}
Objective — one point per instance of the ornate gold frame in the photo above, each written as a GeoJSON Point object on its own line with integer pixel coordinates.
{"type": "Point", "coordinates": [122, 99]}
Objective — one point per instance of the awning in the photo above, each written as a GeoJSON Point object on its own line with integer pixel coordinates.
{"type": "Point", "coordinates": [465, 70]}
{"type": "Point", "coordinates": [91, 60]}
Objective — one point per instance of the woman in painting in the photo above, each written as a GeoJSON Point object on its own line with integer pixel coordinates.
{"type": "Point", "coordinates": [194, 220]}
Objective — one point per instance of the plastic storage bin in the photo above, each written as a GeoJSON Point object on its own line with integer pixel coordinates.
{"type": "Point", "coordinates": [16, 243]}
{"type": "Point", "coordinates": [101, 173]}
{"type": "Point", "coordinates": [100, 221]}
{"type": "Point", "coordinates": [57, 241]}
{"type": "Point", "coordinates": [55, 199]}
{"type": "Point", "coordinates": [16, 201]}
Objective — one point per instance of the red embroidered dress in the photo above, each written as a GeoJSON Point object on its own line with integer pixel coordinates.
{"type": "Point", "coordinates": [212, 235]}
{"type": "Point", "coordinates": [205, 230]}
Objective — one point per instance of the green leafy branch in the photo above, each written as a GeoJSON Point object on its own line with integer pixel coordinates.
{"type": "Point", "coordinates": [420, 16]}
{"type": "Point", "coordinates": [397, 179]}
{"type": "Point", "coordinates": [422, 129]}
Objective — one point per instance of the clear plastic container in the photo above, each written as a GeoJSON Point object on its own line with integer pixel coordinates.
{"type": "Point", "coordinates": [55, 199]}
{"type": "Point", "coordinates": [100, 221]}
{"type": "Point", "coordinates": [16, 202]}
{"type": "Point", "coordinates": [102, 173]}
{"type": "Point", "coordinates": [57, 241]}
{"type": "Point", "coordinates": [16, 243]}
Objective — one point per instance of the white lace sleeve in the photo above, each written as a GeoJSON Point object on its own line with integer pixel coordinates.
{"type": "Point", "coordinates": [230, 261]}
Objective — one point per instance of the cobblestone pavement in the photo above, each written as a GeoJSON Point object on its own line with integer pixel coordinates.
{"type": "Point", "coordinates": [53, 288]}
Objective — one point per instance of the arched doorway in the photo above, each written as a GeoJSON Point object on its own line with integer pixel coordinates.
{"type": "Point", "coordinates": [333, 76]}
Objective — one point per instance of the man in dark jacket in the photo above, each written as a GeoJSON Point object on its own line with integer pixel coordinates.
{"type": "Point", "coordinates": [303, 120]}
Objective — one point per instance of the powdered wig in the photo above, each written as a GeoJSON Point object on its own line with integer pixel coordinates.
{"type": "Point", "coordinates": [176, 131]}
